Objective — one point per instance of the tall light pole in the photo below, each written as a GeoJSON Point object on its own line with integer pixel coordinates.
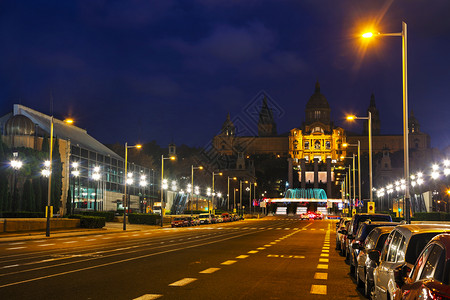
{"type": "Point", "coordinates": [403, 34]}
{"type": "Point", "coordinates": [96, 176]}
{"type": "Point", "coordinates": [213, 191]}
{"type": "Point", "coordinates": [143, 184]}
{"type": "Point", "coordinates": [75, 174]}
{"type": "Point", "coordinates": [162, 189]}
{"type": "Point", "coordinates": [359, 165]}
{"type": "Point", "coordinates": [369, 118]}
{"type": "Point", "coordinates": [191, 192]}
{"type": "Point", "coordinates": [352, 204]}
{"type": "Point", "coordinates": [47, 231]}
{"type": "Point", "coordinates": [125, 206]}
{"type": "Point", "coordinates": [228, 192]}
{"type": "Point", "coordinates": [16, 164]}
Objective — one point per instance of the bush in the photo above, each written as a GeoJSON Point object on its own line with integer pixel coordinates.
{"type": "Point", "coordinates": [108, 215]}
{"type": "Point", "coordinates": [148, 219]}
{"type": "Point", "coordinates": [89, 221]}
{"type": "Point", "coordinates": [22, 214]}
{"type": "Point", "coordinates": [431, 216]}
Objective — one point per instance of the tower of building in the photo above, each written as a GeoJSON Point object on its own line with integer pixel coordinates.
{"type": "Point", "coordinates": [376, 125]}
{"type": "Point", "coordinates": [266, 124]}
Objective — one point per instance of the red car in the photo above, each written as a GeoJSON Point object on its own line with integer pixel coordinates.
{"type": "Point", "coordinates": [429, 278]}
{"type": "Point", "coordinates": [180, 222]}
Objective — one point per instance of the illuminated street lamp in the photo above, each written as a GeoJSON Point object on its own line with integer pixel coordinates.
{"type": "Point", "coordinates": [16, 164]}
{"type": "Point", "coordinates": [359, 165]}
{"type": "Point", "coordinates": [125, 204]}
{"type": "Point", "coordinates": [47, 229]}
{"type": "Point", "coordinates": [172, 157]}
{"type": "Point", "coordinates": [369, 118]}
{"type": "Point", "coordinates": [213, 191]}
{"type": "Point", "coordinates": [228, 192]}
{"type": "Point", "coordinates": [192, 185]}
{"type": "Point", "coordinates": [142, 184]}
{"type": "Point", "coordinates": [75, 174]}
{"type": "Point", "coordinates": [403, 34]}
{"type": "Point", "coordinates": [96, 176]}
{"type": "Point", "coordinates": [352, 204]}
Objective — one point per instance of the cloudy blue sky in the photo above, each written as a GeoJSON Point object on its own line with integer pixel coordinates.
{"type": "Point", "coordinates": [171, 70]}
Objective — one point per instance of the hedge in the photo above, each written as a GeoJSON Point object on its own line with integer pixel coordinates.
{"type": "Point", "coordinates": [89, 221]}
{"type": "Point", "coordinates": [22, 214]}
{"type": "Point", "coordinates": [108, 215]}
{"type": "Point", "coordinates": [431, 216]}
{"type": "Point", "coordinates": [148, 219]}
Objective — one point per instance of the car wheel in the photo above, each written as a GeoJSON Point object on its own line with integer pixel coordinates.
{"type": "Point", "coordinates": [369, 289]}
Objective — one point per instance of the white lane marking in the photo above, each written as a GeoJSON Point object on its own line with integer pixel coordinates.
{"type": "Point", "coordinates": [209, 271]}
{"type": "Point", "coordinates": [228, 262]}
{"type": "Point", "coordinates": [70, 242]}
{"type": "Point", "coordinates": [106, 238]}
{"type": "Point", "coordinates": [18, 243]}
{"type": "Point", "coordinates": [183, 282]}
{"type": "Point", "coordinates": [90, 240]}
{"type": "Point", "coordinates": [319, 275]}
{"type": "Point", "coordinates": [267, 245]}
{"type": "Point", "coordinates": [45, 245]}
{"type": "Point", "coordinates": [10, 266]}
{"type": "Point", "coordinates": [318, 289]}
{"type": "Point", "coordinates": [324, 254]}
{"type": "Point", "coordinates": [148, 297]}
{"type": "Point", "coordinates": [15, 248]}
{"type": "Point", "coordinates": [287, 228]}
{"type": "Point", "coordinates": [41, 241]}
{"type": "Point", "coordinates": [242, 256]}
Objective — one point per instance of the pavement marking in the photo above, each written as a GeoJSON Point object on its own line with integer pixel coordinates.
{"type": "Point", "coordinates": [322, 266]}
{"type": "Point", "coordinates": [148, 297]}
{"type": "Point", "coordinates": [70, 242]}
{"type": "Point", "coordinates": [325, 250]}
{"type": "Point", "coordinates": [228, 262]}
{"type": "Point", "coordinates": [261, 248]}
{"type": "Point", "coordinates": [319, 275]}
{"type": "Point", "coordinates": [242, 256]}
{"type": "Point", "coordinates": [324, 260]}
{"type": "Point", "coordinates": [278, 228]}
{"type": "Point", "coordinates": [285, 256]}
{"type": "Point", "coordinates": [15, 248]}
{"type": "Point", "coordinates": [318, 289]}
{"type": "Point", "coordinates": [106, 238]}
{"type": "Point", "coordinates": [324, 254]}
{"type": "Point", "coordinates": [10, 266]}
{"type": "Point", "coordinates": [18, 243]}
{"type": "Point", "coordinates": [269, 228]}
{"type": "Point", "coordinates": [322, 229]}
{"type": "Point", "coordinates": [267, 245]}
{"type": "Point", "coordinates": [41, 241]}
{"type": "Point", "coordinates": [313, 229]}
{"type": "Point", "coordinates": [252, 252]}
{"type": "Point", "coordinates": [90, 240]}
{"type": "Point", "coordinates": [209, 271]}
{"type": "Point", "coordinates": [183, 282]}
{"type": "Point", "coordinates": [273, 243]}
{"type": "Point", "coordinates": [326, 247]}
{"type": "Point", "coordinates": [287, 228]}
{"type": "Point", "coordinates": [45, 245]}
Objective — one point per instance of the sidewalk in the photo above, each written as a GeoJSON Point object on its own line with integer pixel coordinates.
{"type": "Point", "coordinates": [110, 227]}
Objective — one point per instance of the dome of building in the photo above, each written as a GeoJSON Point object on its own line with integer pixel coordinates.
{"type": "Point", "coordinates": [317, 100]}
{"type": "Point", "coordinates": [19, 125]}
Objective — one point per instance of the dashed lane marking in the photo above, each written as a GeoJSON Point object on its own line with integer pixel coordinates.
{"type": "Point", "coordinates": [319, 275]}
{"type": "Point", "coordinates": [183, 282]}
{"type": "Point", "coordinates": [15, 248]}
{"type": "Point", "coordinates": [18, 243]}
{"type": "Point", "coordinates": [325, 250]}
{"type": "Point", "coordinates": [267, 245]}
{"type": "Point", "coordinates": [261, 248]}
{"type": "Point", "coordinates": [285, 256]}
{"type": "Point", "coordinates": [318, 289]}
{"type": "Point", "coordinates": [70, 242]}
{"type": "Point", "coordinates": [10, 266]}
{"type": "Point", "coordinates": [45, 245]}
{"type": "Point", "coordinates": [324, 260]}
{"type": "Point", "coordinates": [148, 297]}
{"type": "Point", "coordinates": [322, 266]}
{"type": "Point", "coordinates": [252, 251]}
{"type": "Point", "coordinates": [209, 271]}
{"type": "Point", "coordinates": [242, 256]}
{"type": "Point", "coordinates": [324, 254]}
{"type": "Point", "coordinates": [228, 262]}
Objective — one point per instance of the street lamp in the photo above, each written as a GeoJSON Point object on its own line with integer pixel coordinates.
{"type": "Point", "coordinates": [403, 34]}
{"type": "Point", "coordinates": [212, 198]}
{"type": "Point", "coordinates": [96, 176]}
{"type": "Point", "coordinates": [162, 189]}
{"type": "Point", "coordinates": [228, 192]}
{"type": "Point", "coordinates": [192, 185]}
{"type": "Point", "coordinates": [137, 146]}
{"type": "Point", "coordinates": [16, 164]}
{"type": "Point", "coordinates": [142, 184]}
{"type": "Point", "coordinates": [240, 194]}
{"type": "Point", "coordinates": [359, 165]}
{"type": "Point", "coordinates": [369, 118]}
{"type": "Point", "coordinates": [75, 174]}
{"type": "Point", "coordinates": [354, 183]}
{"type": "Point", "coordinates": [47, 230]}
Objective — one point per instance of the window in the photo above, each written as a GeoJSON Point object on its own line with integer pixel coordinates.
{"type": "Point", "coordinates": [328, 144]}
{"type": "Point", "coordinates": [381, 241]}
{"type": "Point", "coordinates": [420, 262]}
{"type": "Point", "coordinates": [393, 247]}
{"type": "Point", "coordinates": [370, 240]}
{"type": "Point", "coordinates": [429, 267]}
{"type": "Point", "coordinates": [306, 144]}
{"type": "Point", "coordinates": [317, 144]}
{"type": "Point", "coordinates": [416, 244]}
{"type": "Point", "coordinates": [401, 250]}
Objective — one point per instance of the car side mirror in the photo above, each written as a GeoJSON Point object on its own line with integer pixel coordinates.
{"type": "Point", "coordinates": [343, 231]}
{"type": "Point", "coordinates": [374, 255]}
{"type": "Point", "coordinates": [357, 246]}
{"type": "Point", "coordinates": [401, 273]}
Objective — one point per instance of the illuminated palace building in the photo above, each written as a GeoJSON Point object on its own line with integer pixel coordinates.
{"type": "Point", "coordinates": [81, 157]}
{"type": "Point", "coordinates": [316, 151]}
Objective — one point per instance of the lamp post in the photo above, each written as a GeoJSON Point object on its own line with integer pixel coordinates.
{"type": "Point", "coordinates": [213, 191]}
{"type": "Point", "coordinates": [143, 184]}
{"type": "Point", "coordinates": [354, 183]}
{"type": "Point", "coordinates": [96, 176]}
{"type": "Point", "coordinates": [192, 185]}
{"type": "Point", "coordinates": [16, 165]}
{"type": "Point", "coordinates": [125, 184]}
{"type": "Point", "coordinates": [369, 118]}
{"type": "Point", "coordinates": [240, 194]}
{"type": "Point", "coordinates": [403, 34]}
{"type": "Point", "coordinates": [359, 165]}
{"type": "Point", "coordinates": [162, 189]}
{"type": "Point", "coordinates": [47, 230]}
{"type": "Point", "coordinates": [228, 192]}
{"type": "Point", "coordinates": [75, 174]}
{"type": "Point", "coordinates": [234, 199]}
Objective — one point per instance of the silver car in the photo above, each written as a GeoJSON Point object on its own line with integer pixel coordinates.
{"type": "Point", "coordinates": [401, 249]}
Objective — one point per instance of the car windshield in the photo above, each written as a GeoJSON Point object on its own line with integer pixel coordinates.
{"type": "Point", "coordinates": [416, 244]}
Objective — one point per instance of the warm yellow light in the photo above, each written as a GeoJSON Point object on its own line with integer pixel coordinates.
{"type": "Point", "coordinates": [344, 145]}
{"type": "Point", "coordinates": [367, 35]}
{"type": "Point", "coordinates": [220, 174]}
{"type": "Point", "coordinates": [139, 146]}
{"type": "Point", "coordinates": [448, 192]}
{"type": "Point", "coordinates": [234, 178]}
{"type": "Point", "coordinates": [351, 117]}
{"type": "Point", "coordinates": [256, 184]}
{"type": "Point", "coordinates": [172, 158]}
{"type": "Point", "coordinates": [200, 168]}
{"type": "Point", "coordinates": [69, 121]}
{"type": "Point", "coordinates": [342, 157]}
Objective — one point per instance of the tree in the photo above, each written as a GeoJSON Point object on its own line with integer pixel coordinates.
{"type": "Point", "coordinates": [28, 197]}
{"type": "Point", "coordinates": [56, 188]}
{"type": "Point", "coordinates": [69, 202]}
{"type": "Point", "coordinates": [36, 182]}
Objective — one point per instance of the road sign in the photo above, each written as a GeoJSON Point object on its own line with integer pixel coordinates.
{"type": "Point", "coordinates": [371, 207]}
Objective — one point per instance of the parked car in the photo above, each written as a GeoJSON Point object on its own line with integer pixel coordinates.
{"type": "Point", "coordinates": [304, 216]}
{"type": "Point", "coordinates": [354, 224]}
{"type": "Point", "coordinates": [343, 238]}
{"type": "Point", "coordinates": [400, 251]}
{"type": "Point", "coordinates": [339, 227]}
{"type": "Point", "coordinates": [179, 222]}
{"type": "Point", "coordinates": [218, 219]}
{"type": "Point", "coordinates": [358, 243]}
{"type": "Point", "coordinates": [430, 276]}
{"type": "Point", "coordinates": [204, 218]}
{"type": "Point", "coordinates": [226, 217]}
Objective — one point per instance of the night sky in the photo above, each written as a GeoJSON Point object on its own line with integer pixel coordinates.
{"type": "Point", "coordinates": [169, 70]}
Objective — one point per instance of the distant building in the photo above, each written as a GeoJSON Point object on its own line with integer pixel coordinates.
{"type": "Point", "coordinates": [25, 127]}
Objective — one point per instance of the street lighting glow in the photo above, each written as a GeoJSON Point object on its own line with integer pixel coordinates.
{"type": "Point", "coordinates": [351, 117]}
{"type": "Point", "coordinates": [367, 35]}
{"type": "Point", "coordinates": [69, 121]}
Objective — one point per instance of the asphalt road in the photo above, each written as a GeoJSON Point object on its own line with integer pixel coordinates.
{"type": "Point", "coordinates": [269, 258]}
